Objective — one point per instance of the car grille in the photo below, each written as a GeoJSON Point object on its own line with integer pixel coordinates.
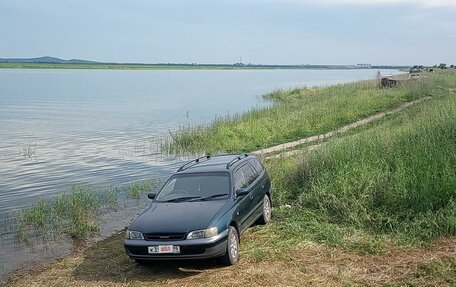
{"type": "Point", "coordinates": [164, 236]}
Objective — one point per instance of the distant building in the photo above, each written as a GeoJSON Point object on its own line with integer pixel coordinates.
{"type": "Point", "coordinates": [363, 66]}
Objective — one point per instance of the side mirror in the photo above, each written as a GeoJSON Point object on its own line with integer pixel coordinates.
{"type": "Point", "coordinates": [151, 195]}
{"type": "Point", "coordinates": [242, 192]}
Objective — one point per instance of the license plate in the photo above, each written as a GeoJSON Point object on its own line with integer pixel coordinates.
{"type": "Point", "coordinates": [164, 249]}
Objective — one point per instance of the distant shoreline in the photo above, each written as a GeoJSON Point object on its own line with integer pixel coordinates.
{"type": "Point", "coordinates": [115, 66]}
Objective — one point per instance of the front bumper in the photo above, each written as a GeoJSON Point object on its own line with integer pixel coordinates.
{"type": "Point", "coordinates": [190, 249]}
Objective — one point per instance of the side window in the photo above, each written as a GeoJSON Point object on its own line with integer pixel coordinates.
{"type": "Point", "coordinates": [239, 179]}
{"type": "Point", "coordinates": [250, 175]}
{"type": "Point", "coordinates": [257, 165]}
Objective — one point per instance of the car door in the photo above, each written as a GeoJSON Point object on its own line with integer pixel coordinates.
{"type": "Point", "coordinates": [263, 181]}
{"type": "Point", "coordinates": [242, 202]}
{"type": "Point", "coordinates": [256, 186]}
{"type": "Point", "coordinates": [249, 204]}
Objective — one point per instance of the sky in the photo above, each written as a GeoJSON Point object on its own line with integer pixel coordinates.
{"type": "Point", "coordinates": [378, 32]}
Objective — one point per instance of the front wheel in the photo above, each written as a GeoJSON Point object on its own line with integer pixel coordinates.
{"type": "Point", "coordinates": [267, 210]}
{"type": "Point", "coordinates": [232, 250]}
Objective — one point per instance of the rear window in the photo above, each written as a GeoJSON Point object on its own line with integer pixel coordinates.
{"type": "Point", "coordinates": [257, 165]}
{"type": "Point", "coordinates": [239, 179]}
{"type": "Point", "coordinates": [244, 176]}
{"type": "Point", "coordinates": [202, 185]}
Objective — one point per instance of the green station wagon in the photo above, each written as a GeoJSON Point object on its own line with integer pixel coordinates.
{"type": "Point", "coordinates": [201, 211]}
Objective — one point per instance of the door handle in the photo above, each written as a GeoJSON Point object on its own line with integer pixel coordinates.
{"type": "Point", "coordinates": [251, 196]}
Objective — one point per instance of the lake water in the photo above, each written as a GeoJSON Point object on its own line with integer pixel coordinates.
{"type": "Point", "coordinates": [103, 127]}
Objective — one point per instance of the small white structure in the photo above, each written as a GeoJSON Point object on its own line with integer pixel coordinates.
{"type": "Point", "coordinates": [363, 66]}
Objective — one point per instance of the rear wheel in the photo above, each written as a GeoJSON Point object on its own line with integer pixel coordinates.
{"type": "Point", "coordinates": [267, 210]}
{"type": "Point", "coordinates": [232, 249]}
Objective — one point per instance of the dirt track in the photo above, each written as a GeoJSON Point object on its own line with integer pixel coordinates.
{"type": "Point", "coordinates": [318, 138]}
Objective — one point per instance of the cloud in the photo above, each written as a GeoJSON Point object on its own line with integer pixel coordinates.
{"type": "Point", "coordinates": [423, 3]}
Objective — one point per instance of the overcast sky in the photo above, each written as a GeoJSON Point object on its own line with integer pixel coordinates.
{"type": "Point", "coordinates": [215, 31]}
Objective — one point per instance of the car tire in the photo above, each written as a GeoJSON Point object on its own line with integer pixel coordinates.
{"type": "Point", "coordinates": [231, 256]}
{"type": "Point", "coordinates": [267, 210]}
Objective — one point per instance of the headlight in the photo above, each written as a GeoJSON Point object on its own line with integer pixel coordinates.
{"type": "Point", "coordinates": [134, 235]}
{"type": "Point", "coordinates": [204, 233]}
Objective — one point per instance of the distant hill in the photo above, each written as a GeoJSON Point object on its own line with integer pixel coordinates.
{"type": "Point", "coordinates": [46, 59]}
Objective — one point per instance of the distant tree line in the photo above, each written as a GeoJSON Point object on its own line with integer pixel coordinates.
{"type": "Point", "coordinates": [444, 66]}
{"type": "Point", "coordinates": [441, 66]}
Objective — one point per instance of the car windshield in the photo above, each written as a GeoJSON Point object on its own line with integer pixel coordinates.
{"type": "Point", "coordinates": [189, 187]}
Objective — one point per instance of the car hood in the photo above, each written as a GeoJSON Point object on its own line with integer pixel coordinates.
{"type": "Point", "coordinates": [179, 217]}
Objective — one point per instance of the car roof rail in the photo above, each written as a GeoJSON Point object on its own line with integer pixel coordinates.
{"type": "Point", "coordinates": [193, 162]}
{"type": "Point", "coordinates": [236, 159]}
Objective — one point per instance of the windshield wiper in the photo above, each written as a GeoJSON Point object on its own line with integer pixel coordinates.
{"type": "Point", "coordinates": [214, 196]}
{"type": "Point", "coordinates": [185, 198]}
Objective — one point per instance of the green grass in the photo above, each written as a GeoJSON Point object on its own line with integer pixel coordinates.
{"type": "Point", "coordinates": [296, 114]}
{"type": "Point", "coordinates": [394, 182]}
{"type": "Point", "coordinates": [111, 198]}
{"type": "Point", "coordinates": [390, 182]}
{"type": "Point", "coordinates": [136, 189]}
{"type": "Point", "coordinates": [73, 213]}
{"type": "Point", "coordinates": [442, 271]}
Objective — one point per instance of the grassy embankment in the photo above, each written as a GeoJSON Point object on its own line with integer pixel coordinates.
{"type": "Point", "coordinates": [363, 209]}
{"type": "Point", "coordinates": [395, 182]}
{"type": "Point", "coordinates": [390, 182]}
{"type": "Point", "coordinates": [295, 114]}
